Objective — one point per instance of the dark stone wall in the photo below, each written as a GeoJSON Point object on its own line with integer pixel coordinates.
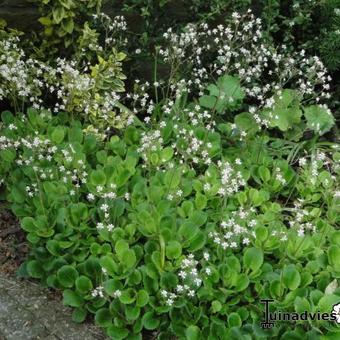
{"type": "Point", "coordinates": [19, 14]}
{"type": "Point", "coordinates": [23, 14]}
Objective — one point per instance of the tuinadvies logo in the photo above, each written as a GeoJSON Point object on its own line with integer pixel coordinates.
{"type": "Point", "coordinates": [269, 318]}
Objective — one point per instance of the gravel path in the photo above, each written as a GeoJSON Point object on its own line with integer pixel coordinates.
{"type": "Point", "coordinates": [29, 312]}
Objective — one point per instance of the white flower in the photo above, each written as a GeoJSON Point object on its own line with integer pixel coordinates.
{"type": "Point", "coordinates": [100, 226]}
{"type": "Point", "coordinates": [179, 288]}
{"type": "Point", "coordinates": [117, 293]}
{"type": "Point", "coordinates": [191, 293]}
{"type": "Point", "coordinates": [104, 207]}
{"type": "Point", "coordinates": [207, 187]}
{"type": "Point", "coordinates": [182, 274]}
{"type": "Point", "coordinates": [169, 302]}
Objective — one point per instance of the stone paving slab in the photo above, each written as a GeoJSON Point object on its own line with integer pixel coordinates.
{"type": "Point", "coordinates": [27, 312]}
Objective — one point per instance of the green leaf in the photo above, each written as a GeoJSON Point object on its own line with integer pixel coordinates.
{"type": "Point", "coordinates": [128, 296]}
{"type": "Point", "coordinates": [109, 264]}
{"type": "Point", "coordinates": [157, 260]}
{"type": "Point", "coordinates": [155, 193]}
{"type": "Point", "coordinates": [71, 298]}
{"type": "Point", "coordinates": [8, 155]}
{"type": "Point", "coordinates": [33, 238]}
{"type": "Point", "coordinates": [131, 135]}
{"type": "Point", "coordinates": [79, 212]}
{"type": "Point", "coordinates": [198, 218]}
{"type": "Point", "coordinates": [154, 158]}
{"type": "Point", "coordinates": [67, 25]}
{"type": "Point", "coordinates": [28, 225]}
{"type": "Point", "coordinates": [58, 14]}
{"type": "Point", "coordinates": [34, 269]}
{"type": "Point", "coordinates": [173, 250]}
{"type": "Point", "coordinates": [166, 154]}
{"type": "Point", "coordinates": [216, 306]}
{"type": "Point", "coordinates": [334, 257]}
{"type": "Point", "coordinates": [246, 122]}
{"type": "Point", "coordinates": [58, 134]}
{"type": "Point", "coordinates": [197, 242]}
{"type": "Point", "coordinates": [103, 317]}
{"type": "Point", "coordinates": [7, 117]}
{"type": "Point", "coordinates": [120, 247]}
{"type": "Point", "coordinates": [110, 286]}
{"type": "Point", "coordinates": [188, 230]}
{"type": "Point", "coordinates": [46, 21]}
{"type": "Point", "coordinates": [169, 280]}
{"type": "Point", "coordinates": [98, 177]}
{"type": "Point", "coordinates": [188, 208]}
{"type": "Point", "coordinates": [291, 277]}
{"type": "Point", "coordinates": [226, 94]}
{"type": "Point", "coordinates": [132, 312]}
{"type": "Point", "coordinates": [208, 101]}
{"type": "Point", "coordinates": [150, 321]}
{"type": "Point", "coordinates": [242, 282]}
{"type": "Point", "coordinates": [286, 112]}
{"type": "Point", "coordinates": [264, 173]}
{"type": "Point", "coordinates": [17, 195]}
{"type": "Point", "coordinates": [79, 315]}
{"type": "Point", "coordinates": [75, 134]}
{"type": "Point", "coordinates": [117, 333]}
{"type": "Point", "coordinates": [234, 320]}
{"type": "Point", "coordinates": [83, 284]}
{"type": "Point", "coordinates": [192, 333]}
{"type": "Point", "coordinates": [142, 298]}
{"type": "Point", "coordinates": [319, 119]}
{"type": "Point", "coordinates": [286, 118]}
{"type": "Point", "coordinates": [93, 268]}
{"type": "Point", "coordinates": [53, 247]}
{"type": "Point", "coordinates": [67, 276]}
{"type": "Point", "coordinates": [101, 156]}
{"type": "Point", "coordinates": [301, 305]}
{"type": "Point", "coordinates": [253, 258]}
{"type": "Point", "coordinates": [200, 201]}
{"type": "Point", "coordinates": [172, 178]}
{"type": "Point", "coordinates": [129, 258]}
{"type": "Point", "coordinates": [147, 225]}
{"type": "Point", "coordinates": [326, 303]}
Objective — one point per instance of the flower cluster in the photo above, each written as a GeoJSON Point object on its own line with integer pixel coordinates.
{"type": "Point", "coordinates": [231, 180]}
{"type": "Point", "coordinates": [189, 278]}
{"type": "Point", "coordinates": [241, 49]}
{"type": "Point", "coordinates": [84, 86]}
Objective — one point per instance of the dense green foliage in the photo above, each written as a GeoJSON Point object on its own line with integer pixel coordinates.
{"type": "Point", "coordinates": [171, 207]}
{"type": "Point", "coordinates": [148, 244]}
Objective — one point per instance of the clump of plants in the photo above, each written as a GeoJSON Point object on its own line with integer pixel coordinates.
{"type": "Point", "coordinates": [87, 85]}
{"type": "Point", "coordinates": [62, 20]}
{"type": "Point", "coordinates": [218, 191]}
{"type": "Point", "coordinates": [180, 230]}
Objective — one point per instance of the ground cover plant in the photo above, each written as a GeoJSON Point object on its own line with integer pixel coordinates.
{"type": "Point", "coordinates": [169, 208]}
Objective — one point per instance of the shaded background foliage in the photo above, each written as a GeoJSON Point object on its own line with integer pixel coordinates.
{"type": "Point", "coordinates": [312, 25]}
